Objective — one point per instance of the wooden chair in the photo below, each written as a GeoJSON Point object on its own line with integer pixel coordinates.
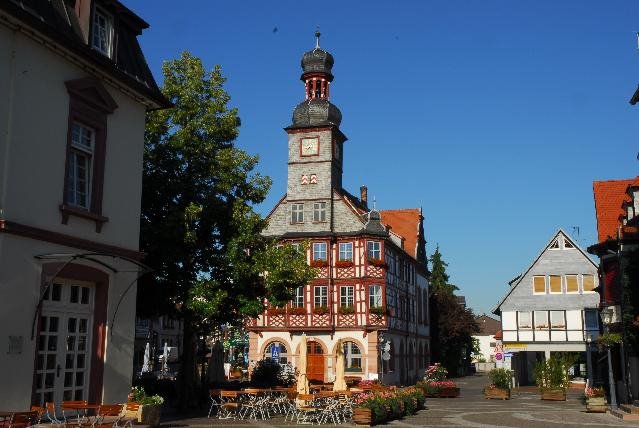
{"type": "Point", "coordinates": [40, 410]}
{"type": "Point", "coordinates": [214, 395]}
{"type": "Point", "coordinates": [23, 419]}
{"type": "Point", "coordinates": [130, 414]}
{"type": "Point", "coordinates": [69, 406]}
{"type": "Point", "coordinates": [307, 411]}
{"type": "Point", "coordinates": [51, 414]}
{"type": "Point", "coordinates": [229, 407]}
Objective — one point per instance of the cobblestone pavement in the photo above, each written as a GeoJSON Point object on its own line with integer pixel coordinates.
{"type": "Point", "coordinates": [469, 410]}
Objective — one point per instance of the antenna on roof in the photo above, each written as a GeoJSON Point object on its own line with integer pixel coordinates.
{"type": "Point", "coordinates": [575, 231]}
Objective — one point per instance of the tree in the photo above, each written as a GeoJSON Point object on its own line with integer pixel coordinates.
{"type": "Point", "coordinates": [452, 325]}
{"type": "Point", "coordinates": [198, 230]}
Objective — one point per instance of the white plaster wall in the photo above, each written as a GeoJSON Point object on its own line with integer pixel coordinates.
{"type": "Point", "coordinates": [20, 279]}
{"type": "Point", "coordinates": [486, 350]}
{"type": "Point", "coordinates": [37, 149]}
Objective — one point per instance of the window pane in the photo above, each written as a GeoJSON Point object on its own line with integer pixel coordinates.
{"type": "Point", "coordinates": [346, 295]}
{"type": "Point", "coordinates": [375, 296]}
{"type": "Point", "coordinates": [571, 284]}
{"type": "Point", "coordinates": [524, 320]}
{"type": "Point", "coordinates": [589, 282]}
{"type": "Point", "coordinates": [557, 320]}
{"type": "Point", "coordinates": [541, 320]}
{"type": "Point", "coordinates": [539, 284]}
{"type": "Point", "coordinates": [319, 251]}
{"type": "Point", "coordinates": [555, 284]}
{"type": "Point", "coordinates": [346, 251]}
{"type": "Point", "coordinates": [592, 320]}
{"type": "Point", "coordinates": [374, 250]}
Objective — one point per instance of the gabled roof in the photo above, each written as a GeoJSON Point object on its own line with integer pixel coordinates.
{"type": "Point", "coordinates": [609, 197]}
{"type": "Point", "coordinates": [515, 282]}
{"type": "Point", "coordinates": [405, 223]}
{"type": "Point", "coordinates": [488, 326]}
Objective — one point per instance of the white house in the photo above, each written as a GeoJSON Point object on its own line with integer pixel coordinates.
{"type": "Point", "coordinates": [75, 90]}
{"type": "Point", "coordinates": [551, 307]}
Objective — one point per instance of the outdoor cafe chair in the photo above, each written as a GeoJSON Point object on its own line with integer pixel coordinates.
{"type": "Point", "coordinates": [290, 408]}
{"type": "Point", "coordinates": [214, 395]}
{"type": "Point", "coordinates": [256, 402]}
{"type": "Point", "coordinates": [77, 406]}
{"type": "Point", "coordinates": [52, 415]}
{"type": "Point", "coordinates": [307, 411]}
{"type": "Point", "coordinates": [23, 419]}
{"type": "Point", "coordinates": [40, 411]}
{"type": "Point", "coordinates": [229, 407]}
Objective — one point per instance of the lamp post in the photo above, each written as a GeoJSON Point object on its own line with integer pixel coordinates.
{"type": "Point", "coordinates": [589, 359]}
{"type": "Point", "coordinates": [606, 317]}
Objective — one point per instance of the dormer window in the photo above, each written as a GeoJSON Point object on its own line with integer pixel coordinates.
{"type": "Point", "coordinates": [102, 33]}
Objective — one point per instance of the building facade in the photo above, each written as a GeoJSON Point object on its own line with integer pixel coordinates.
{"type": "Point", "coordinates": [75, 89]}
{"type": "Point", "coordinates": [488, 328]}
{"type": "Point", "coordinates": [371, 289]}
{"type": "Point", "coordinates": [551, 307]}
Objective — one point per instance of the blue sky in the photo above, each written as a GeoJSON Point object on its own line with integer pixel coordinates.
{"type": "Point", "coordinates": [493, 116]}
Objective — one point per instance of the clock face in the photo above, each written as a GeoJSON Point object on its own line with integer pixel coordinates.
{"type": "Point", "coordinates": [309, 146]}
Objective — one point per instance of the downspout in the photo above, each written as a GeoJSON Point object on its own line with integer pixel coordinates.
{"type": "Point", "coordinates": [9, 120]}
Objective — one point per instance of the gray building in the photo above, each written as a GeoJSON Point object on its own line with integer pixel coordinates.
{"type": "Point", "coordinates": [550, 307]}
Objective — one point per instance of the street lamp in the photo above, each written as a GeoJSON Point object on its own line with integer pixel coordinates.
{"type": "Point", "coordinates": [589, 358]}
{"type": "Point", "coordinates": [606, 317]}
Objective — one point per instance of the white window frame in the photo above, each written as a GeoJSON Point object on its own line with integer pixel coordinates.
{"type": "Point", "coordinates": [595, 280]}
{"type": "Point", "coordinates": [546, 281]}
{"type": "Point", "coordinates": [345, 252]}
{"type": "Point", "coordinates": [350, 357]}
{"type": "Point", "coordinates": [563, 317]}
{"type": "Point", "coordinates": [86, 152]}
{"type": "Point", "coordinates": [375, 296]}
{"type": "Point", "coordinates": [298, 298]}
{"type": "Point", "coordinates": [319, 248]}
{"type": "Point", "coordinates": [102, 35]}
{"type": "Point", "coordinates": [371, 250]}
{"type": "Point", "coordinates": [320, 296]}
{"type": "Point", "coordinates": [576, 280]}
{"type": "Point", "coordinates": [561, 284]}
{"type": "Point", "coordinates": [347, 295]}
{"type": "Point", "coordinates": [530, 320]}
{"type": "Point", "coordinates": [297, 213]}
{"type": "Point", "coordinates": [319, 212]}
{"type": "Point", "coordinates": [544, 325]}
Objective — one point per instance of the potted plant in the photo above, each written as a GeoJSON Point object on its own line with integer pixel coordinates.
{"type": "Point", "coordinates": [276, 311]}
{"type": "Point", "coordinates": [346, 310]}
{"type": "Point", "coordinates": [378, 311]}
{"type": "Point", "coordinates": [608, 340]}
{"type": "Point", "coordinates": [376, 262]}
{"type": "Point", "coordinates": [297, 310]}
{"type": "Point", "coordinates": [553, 378]}
{"type": "Point", "coordinates": [319, 263]}
{"type": "Point", "coordinates": [595, 400]}
{"type": "Point", "coordinates": [150, 408]}
{"type": "Point", "coordinates": [344, 263]}
{"type": "Point", "coordinates": [320, 310]}
{"type": "Point", "coordinates": [500, 384]}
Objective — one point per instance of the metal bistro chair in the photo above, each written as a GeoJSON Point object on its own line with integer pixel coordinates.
{"type": "Point", "coordinates": [229, 407]}
{"type": "Point", "coordinates": [23, 419]}
{"type": "Point", "coordinates": [51, 414]}
{"type": "Point", "coordinates": [81, 414]}
{"type": "Point", "coordinates": [308, 411]}
{"type": "Point", "coordinates": [214, 395]}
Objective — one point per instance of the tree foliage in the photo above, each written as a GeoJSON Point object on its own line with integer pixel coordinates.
{"type": "Point", "coordinates": [452, 325]}
{"type": "Point", "coordinates": [198, 228]}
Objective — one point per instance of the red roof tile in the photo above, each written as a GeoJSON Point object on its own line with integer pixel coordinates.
{"type": "Point", "coordinates": [609, 196]}
{"type": "Point", "coordinates": [405, 223]}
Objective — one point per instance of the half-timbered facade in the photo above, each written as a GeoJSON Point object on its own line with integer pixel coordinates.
{"type": "Point", "coordinates": [371, 288]}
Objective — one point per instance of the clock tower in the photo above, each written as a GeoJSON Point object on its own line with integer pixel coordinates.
{"type": "Point", "coordinates": [315, 143]}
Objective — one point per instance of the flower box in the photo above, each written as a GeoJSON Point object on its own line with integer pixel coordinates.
{"type": "Point", "coordinates": [377, 262]}
{"type": "Point", "coordinates": [344, 263]}
{"type": "Point", "coordinates": [494, 393]}
{"type": "Point", "coordinates": [319, 263]}
{"type": "Point", "coordinates": [448, 393]}
{"type": "Point", "coordinates": [276, 311]}
{"type": "Point", "coordinates": [346, 310]}
{"type": "Point", "coordinates": [297, 310]}
{"type": "Point", "coordinates": [362, 416]}
{"type": "Point", "coordinates": [320, 310]}
{"type": "Point", "coordinates": [596, 405]}
{"type": "Point", "coordinates": [149, 414]}
{"type": "Point", "coordinates": [553, 394]}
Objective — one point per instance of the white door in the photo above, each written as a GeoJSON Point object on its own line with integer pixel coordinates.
{"type": "Point", "coordinates": [64, 342]}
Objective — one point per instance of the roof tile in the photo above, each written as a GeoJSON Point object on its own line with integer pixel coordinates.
{"type": "Point", "coordinates": [404, 222]}
{"type": "Point", "coordinates": [609, 196]}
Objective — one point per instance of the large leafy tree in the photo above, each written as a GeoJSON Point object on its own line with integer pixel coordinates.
{"type": "Point", "coordinates": [452, 325]}
{"type": "Point", "coordinates": [198, 229]}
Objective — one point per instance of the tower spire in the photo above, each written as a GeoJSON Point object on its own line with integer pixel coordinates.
{"type": "Point", "coordinates": [317, 37]}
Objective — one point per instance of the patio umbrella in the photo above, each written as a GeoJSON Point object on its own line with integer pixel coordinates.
{"type": "Point", "coordinates": [216, 364]}
{"type": "Point", "coordinates": [340, 382]}
{"type": "Point", "coordinates": [146, 366]}
{"type": "Point", "coordinates": [302, 379]}
{"type": "Point", "coordinates": [165, 358]}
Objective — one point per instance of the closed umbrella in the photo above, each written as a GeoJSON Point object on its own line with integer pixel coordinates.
{"type": "Point", "coordinates": [302, 378]}
{"type": "Point", "coordinates": [165, 358]}
{"type": "Point", "coordinates": [340, 382]}
{"type": "Point", "coordinates": [216, 364]}
{"type": "Point", "coordinates": [146, 366]}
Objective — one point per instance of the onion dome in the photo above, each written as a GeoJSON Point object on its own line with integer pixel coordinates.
{"type": "Point", "coordinates": [316, 112]}
{"type": "Point", "coordinates": [317, 61]}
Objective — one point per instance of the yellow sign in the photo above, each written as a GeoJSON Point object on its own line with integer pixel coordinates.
{"type": "Point", "coordinates": [515, 346]}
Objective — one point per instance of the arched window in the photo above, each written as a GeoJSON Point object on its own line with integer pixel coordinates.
{"type": "Point", "coordinates": [268, 353]}
{"type": "Point", "coordinates": [352, 357]}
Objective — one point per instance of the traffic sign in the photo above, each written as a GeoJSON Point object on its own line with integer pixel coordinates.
{"type": "Point", "coordinates": [508, 354]}
{"type": "Point", "coordinates": [275, 353]}
{"type": "Point", "coordinates": [498, 356]}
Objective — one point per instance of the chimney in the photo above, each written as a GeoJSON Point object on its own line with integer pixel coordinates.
{"type": "Point", "coordinates": [83, 13]}
{"type": "Point", "coordinates": [363, 195]}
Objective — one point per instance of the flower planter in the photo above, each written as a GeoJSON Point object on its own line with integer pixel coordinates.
{"type": "Point", "coordinates": [497, 394]}
{"type": "Point", "coordinates": [362, 416]}
{"type": "Point", "coordinates": [596, 405]}
{"type": "Point", "coordinates": [553, 395]}
{"type": "Point", "coordinates": [448, 393]}
{"type": "Point", "coordinates": [149, 414]}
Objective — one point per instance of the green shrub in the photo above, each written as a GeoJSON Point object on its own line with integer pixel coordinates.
{"type": "Point", "coordinates": [266, 373]}
{"type": "Point", "coordinates": [501, 378]}
{"type": "Point", "coordinates": [553, 373]}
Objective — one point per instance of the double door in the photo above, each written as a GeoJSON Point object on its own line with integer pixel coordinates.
{"type": "Point", "coordinates": [64, 343]}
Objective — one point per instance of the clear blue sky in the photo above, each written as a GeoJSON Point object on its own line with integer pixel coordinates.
{"type": "Point", "coordinates": [494, 116]}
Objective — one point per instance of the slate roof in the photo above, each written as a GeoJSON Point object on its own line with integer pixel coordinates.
{"type": "Point", "coordinates": [488, 326]}
{"type": "Point", "coordinates": [609, 196]}
{"type": "Point", "coordinates": [57, 20]}
{"type": "Point", "coordinates": [404, 222]}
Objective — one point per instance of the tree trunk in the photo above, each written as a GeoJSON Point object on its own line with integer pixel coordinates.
{"type": "Point", "coordinates": [186, 384]}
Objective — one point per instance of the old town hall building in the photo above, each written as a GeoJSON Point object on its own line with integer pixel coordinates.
{"type": "Point", "coordinates": [371, 290]}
